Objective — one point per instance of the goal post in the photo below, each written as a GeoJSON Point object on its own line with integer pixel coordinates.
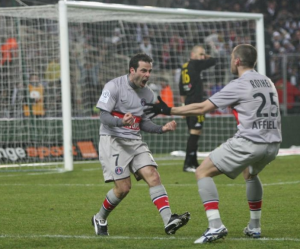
{"type": "Point", "coordinates": [74, 48]}
{"type": "Point", "coordinates": [66, 86]}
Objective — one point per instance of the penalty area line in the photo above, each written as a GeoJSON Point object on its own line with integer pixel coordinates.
{"type": "Point", "coordinates": [55, 236]}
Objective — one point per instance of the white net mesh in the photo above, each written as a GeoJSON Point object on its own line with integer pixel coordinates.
{"type": "Point", "coordinates": [30, 111]}
{"type": "Point", "coordinates": [101, 43]}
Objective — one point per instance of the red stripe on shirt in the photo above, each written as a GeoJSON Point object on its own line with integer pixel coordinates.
{"type": "Point", "coordinates": [236, 115]}
{"type": "Point", "coordinates": [137, 120]}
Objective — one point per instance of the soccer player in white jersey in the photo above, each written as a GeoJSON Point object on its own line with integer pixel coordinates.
{"type": "Point", "coordinates": [121, 149]}
{"type": "Point", "coordinates": [254, 101]}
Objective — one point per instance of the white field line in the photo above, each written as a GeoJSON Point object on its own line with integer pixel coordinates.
{"type": "Point", "coordinates": [32, 236]}
{"type": "Point", "coordinates": [143, 184]}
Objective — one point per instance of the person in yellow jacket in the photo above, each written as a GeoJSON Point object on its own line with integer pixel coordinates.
{"type": "Point", "coordinates": [35, 104]}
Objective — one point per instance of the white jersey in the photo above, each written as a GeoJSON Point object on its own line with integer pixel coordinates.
{"type": "Point", "coordinates": [254, 101]}
{"type": "Point", "coordinates": [118, 98]}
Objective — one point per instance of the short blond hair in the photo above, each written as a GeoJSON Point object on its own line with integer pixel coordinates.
{"type": "Point", "coordinates": [247, 54]}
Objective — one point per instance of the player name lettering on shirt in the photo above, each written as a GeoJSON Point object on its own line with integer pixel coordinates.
{"type": "Point", "coordinates": [265, 125]}
{"type": "Point", "coordinates": [260, 83]}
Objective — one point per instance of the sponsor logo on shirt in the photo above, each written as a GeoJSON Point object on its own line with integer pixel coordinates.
{"type": "Point", "coordinates": [105, 96]}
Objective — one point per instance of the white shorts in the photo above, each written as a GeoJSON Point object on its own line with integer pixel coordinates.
{"type": "Point", "coordinates": [236, 154]}
{"type": "Point", "coordinates": [121, 156]}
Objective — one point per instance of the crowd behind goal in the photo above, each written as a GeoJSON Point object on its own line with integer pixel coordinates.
{"type": "Point", "coordinates": [100, 51]}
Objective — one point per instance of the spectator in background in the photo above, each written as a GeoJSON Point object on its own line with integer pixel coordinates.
{"type": "Point", "coordinates": [270, 12]}
{"type": "Point", "coordinates": [165, 57]}
{"type": "Point", "coordinates": [146, 46]}
{"type": "Point", "coordinates": [155, 41]}
{"type": "Point", "coordinates": [9, 54]}
{"type": "Point", "coordinates": [236, 7]}
{"type": "Point", "coordinates": [155, 90]}
{"type": "Point", "coordinates": [141, 31]}
{"type": "Point", "coordinates": [90, 86]}
{"type": "Point", "coordinates": [116, 41]}
{"type": "Point", "coordinates": [34, 106]}
{"type": "Point", "coordinates": [166, 92]}
{"type": "Point", "coordinates": [288, 46]}
{"type": "Point", "coordinates": [293, 96]}
{"type": "Point", "coordinates": [53, 71]}
{"type": "Point", "coordinates": [9, 51]}
{"type": "Point", "coordinates": [53, 91]}
{"type": "Point", "coordinates": [17, 100]}
{"type": "Point", "coordinates": [294, 78]}
{"type": "Point", "coordinates": [176, 49]}
{"type": "Point", "coordinates": [296, 40]}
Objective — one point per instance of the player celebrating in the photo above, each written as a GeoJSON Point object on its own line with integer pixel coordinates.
{"type": "Point", "coordinates": [191, 91]}
{"type": "Point", "coordinates": [121, 148]}
{"type": "Point", "coordinates": [254, 100]}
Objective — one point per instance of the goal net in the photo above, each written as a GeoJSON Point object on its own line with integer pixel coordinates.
{"type": "Point", "coordinates": [57, 58]}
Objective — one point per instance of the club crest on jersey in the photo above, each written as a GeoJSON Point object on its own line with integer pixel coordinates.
{"type": "Point", "coordinates": [143, 102]}
{"type": "Point", "coordinates": [119, 170]}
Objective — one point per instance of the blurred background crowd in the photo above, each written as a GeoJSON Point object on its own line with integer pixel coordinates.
{"type": "Point", "coordinates": [91, 55]}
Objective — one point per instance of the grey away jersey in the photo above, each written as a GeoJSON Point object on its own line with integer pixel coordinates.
{"type": "Point", "coordinates": [118, 98]}
{"type": "Point", "coordinates": [254, 101]}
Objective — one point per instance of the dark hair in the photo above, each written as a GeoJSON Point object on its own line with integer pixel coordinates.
{"type": "Point", "coordinates": [247, 54]}
{"type": "Point", "coordinates": [134, 61]}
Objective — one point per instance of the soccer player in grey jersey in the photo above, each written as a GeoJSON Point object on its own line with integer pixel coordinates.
{"type": "Point", "coordinates": [121, 149]}
{"type": "Point", "coordinates": [254, 101]}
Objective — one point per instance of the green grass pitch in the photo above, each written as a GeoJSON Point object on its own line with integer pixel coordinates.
{"type": "Point", "coordinates": [54, 210]}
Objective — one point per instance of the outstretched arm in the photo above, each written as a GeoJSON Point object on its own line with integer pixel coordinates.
{"type": "Point", "coordinates": [188, 110]}
{"type": "Point", "coordinates": [193, 109]}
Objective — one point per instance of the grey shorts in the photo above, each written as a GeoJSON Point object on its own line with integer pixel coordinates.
{"type": "Point", "coordinates": [236, 154]}
{"type": "Point", "coordinates": [120, 156]}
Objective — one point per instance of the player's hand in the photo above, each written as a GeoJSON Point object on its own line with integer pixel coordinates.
{"type": "Point", "coordinates": [171, 126]}
{"type": "Point", "coordinates": [128, 119]}
{"type": "Point", "coordinates": [159, 108]}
